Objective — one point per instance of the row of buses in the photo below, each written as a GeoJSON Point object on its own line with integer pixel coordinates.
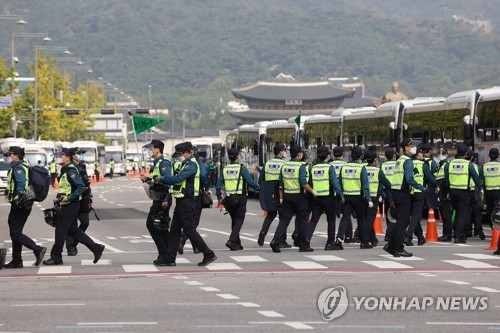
{"type": "Point", "coordinates": [471, 117]}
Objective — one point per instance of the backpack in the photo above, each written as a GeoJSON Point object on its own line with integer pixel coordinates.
{"type": "Point", "coordinates": [39, 182]}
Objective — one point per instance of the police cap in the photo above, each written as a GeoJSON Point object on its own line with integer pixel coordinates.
{"type": "Point", "coordinates": [77, 151]}
{"type": "Point", "coordinates": [338, 151]}
{"type": "Point", "coordinates": [155, 144]}
{"type": "Point", "coordinates": [183, 147]}
{"type": "Point", "coordinates": [461, 149]}
{"type": "Point", "coordinates": [389, 153]}
{"type": "Point", "coordinates": [356, 153]}
{"type": "Point", "coordinates": [406, 142]}
{"type": "Point", "coordinates": [493, 153]}
{"type": "Point", "coordinates": [279, 148]}
{"type": "Point", "coordinates": [323, 150]}
{"type": "Point", "coordinates": [370, 155]}
{"type": "Point", "coordinates": [233, 153]}
{"type": "Point", "coordinates": [16, 151]}
{"type": "Point", "coordinates": [295, 149]}
{"type": "Point", "coordinates": [425, 147]}
{"type": "Point", "coordinates": [67, 151]}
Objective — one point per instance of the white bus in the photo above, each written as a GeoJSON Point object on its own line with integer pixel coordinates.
{"type": "Point", "coordinates": [116, 154]}
{"type": "Point", "coordinates": [249, 138]}
{"type": "Point", "coordinates": [93, 152]}
{"type": "Point", "coordinates": [208, 147]}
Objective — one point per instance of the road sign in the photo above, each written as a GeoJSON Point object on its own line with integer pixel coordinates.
{"type": "Point", "coordinates": [107, 111]}
{"type": "Point", "coordinates": [5, 101]}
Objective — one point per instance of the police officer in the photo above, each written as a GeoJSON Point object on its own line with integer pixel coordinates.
{"type": "Point", "coordinates": [3, 254]}
{"type": "Point", "coordinates": [97, 170]}
{"type": "Point", "coordinates": [235, 178]}
{"type": "Point", "coordinates": [457, 174]}
{"type": "Point", "coordinates": [133, 164]}
{"type": "Point", "coordinates": [53, 172]}
{"type": "Point", "coordinates": [422, 175]}
{"type": "Point", "coordinates": [71, 187]}
{"type": "Point", "coordinates": [323, 180]}
{"type": "Point", "coordinates": [388, 169]}
{"type": "Point", "coordinates": [402, 183]}
{"type": "Point", "coordinates": [111, 168]}
{"type": "Point", "coordinates": [445, 209]}
{"type": "Point", "coordinates": [376, 181]}
{"type": "Point", "coordinates": [20, 209]}
{"type": "Point", "coordinates": [293, 182]}
{"type": "Point", "coordinates": [161, 200]}
{"type": "Point", "coordinates": [476, 217]}
{"type": "Point", "coordinates": [186, 186]}
{"type": "Point", "coordinates": [354, 183]}
{"type": "Point", "coordinates": [271, 171]}
{"type": "Point", "coordinates": [143, 166]}
{"type": "Point", "coordinates": [85, 202]}
{"type": "Point", "coordinates": [490, 173]}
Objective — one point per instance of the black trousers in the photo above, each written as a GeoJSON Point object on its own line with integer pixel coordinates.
{"type": "Point", "coordinates": [492, 199]}
{"type": "Point", "coordinates": [460, 201]}
{"type": "Point", "coordinates": [267, 222]}
{"type": "Point", "coordinates": [184, 218]}
{"type": "Point", "coordinates": [160, 237]}
{"type": "Point", "coordinates": [197, 217]}
{"type": "Point", "coordinates": [84, 219]}
{"type": "Point", "coordinates": [371, 215]}
{"type": "Point", "coordinates": [53, 177]}
{"type": "Point", "coordinates": [17, 219]}
{"type": "Point", "coordinates": [417, 205]}
{"type": "Point", "coordinates": [327, 205]}
{"type": "Point", "coordinates": [445, 210]}
{"type": "Point", "coordinates": [293, 204]}
{"type": "Point", "coordinates": [65, 226]}
{"type": "Point", "coordinates": [402, 200]}
{"type": "Point", "coordinates": [237, 219]}
{"type": "Point", "coordinates": [357, 204]}
{"type": "Point", "coordinates": [476, 217]}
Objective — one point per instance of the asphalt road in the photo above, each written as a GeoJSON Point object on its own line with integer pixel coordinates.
{"type": "Point", "coordinates": [250, 290]}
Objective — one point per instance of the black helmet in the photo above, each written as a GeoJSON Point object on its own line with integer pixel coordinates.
{"type": "Point", "coordinates": [50, 216]}
{"type": "Point", "coordinates": [495, 217]}
{"type": "Point", "coordinates": [161, 220]}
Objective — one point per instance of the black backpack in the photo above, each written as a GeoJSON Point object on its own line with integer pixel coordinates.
{"type": "Point", "coordinates": [39, 181]}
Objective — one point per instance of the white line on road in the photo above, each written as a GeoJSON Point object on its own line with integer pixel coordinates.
{"type": "Point", "coordinates": [477, 256]}
{"type": "Point", "coordinates": [486, 289]}
{"type": "Point", "coordinates": [325, 257]}
{"type": "Point", "coordinates": [426, 274]}
{"type": "Point", "coordinates": [249, 304]}
{"type": "Point", "coordinates": [193, 283]}
{"type": "Point", "coordinates": [252, 214]}
{"type": "Point", "coordinates": [120, 205]}
{"type": "Point", "coordinates": [180, 277]}
{"type": "Point", "coordinates": [55, 270]}
{"type": "Point", "coordinates": [457, 282]}
{"type": "Point", "coordinates": [140, 268]}
{"type": "Point", "coordinates": [386, 264]}
{"type": "Point", "coordinates": [209, 289]}
{"type": "Point", "coordinates": [122, 323]}
{"type": "Point", "coordinates": [470, 263]}
{"type": "Point", "coordinates": [108, 247]}
{"type": "Point", "coordinates": [50, 304]}
{"type": "Point", "coordinates": [298, 325]}
{"type": "Point", "coordinates": [458, 323]}
{"type": "Point", "coordinates": [271, 314]}
{"type": "Point", "coordinates": [248, 258]}
{"type": "Point", "coordinates": [223, 266]}
{"type": "Point", "coordinates": [228, 296]}
{"type": "Point", "coordinates": [304, 264]}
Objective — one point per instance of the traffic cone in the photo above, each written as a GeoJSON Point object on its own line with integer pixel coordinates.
{"type": "Point", "coordinates": [130, 174]}
{"type": "Point", "coordinates": [431, 235]}
{"type": "Point", "coordinates": [377, 225]}
{"type": "Point", "coordinates": [101, 180]}
{"type": "Point", "coordinates": [92, 179]}
{"type": "Point", "coordinates": [494, 240]}
{"type": "Point", "coordinates": [265, 213]}
{"type": "Point", "coordinates": [56, 184]}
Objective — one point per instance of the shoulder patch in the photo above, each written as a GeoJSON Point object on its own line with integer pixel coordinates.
{"type": "Point", "coordinates": [73, 176]}
{"type": "Point", "coordinates": [19, 171]}
{"type": "Point", "coordinates": [163, 168]}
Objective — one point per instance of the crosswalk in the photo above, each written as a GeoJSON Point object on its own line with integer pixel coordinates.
{"type": "Point", "coordinates": [272, 262]}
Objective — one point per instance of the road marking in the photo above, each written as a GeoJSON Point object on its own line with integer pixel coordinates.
{"type": "Point", "coordinates": [252, 214]}
{"type": "Point", "coordinates": [223, 266]}
{"type": "Point", "coordinates": [388, 256]}
{"type": "Point", "coordinates": [182, 261]}
{"type": "Point", "coordinates": [49, 304]}
{"type": "Point", "coordinates": [227, 234]}
{"type": "Point", "coordinates": [247, 234]}
{"type": "Point", "coordinates": [111, 238]}
{"type": "Point", "coordinates": [108, 247]}
{"type": "Point", "coordinates": [457, 282]}
{"type": "Point", "coordinates": [102, 262]}
{"type": "Point", "coordinates": [249, 304]}
{"type": "Point", "coordinates": [140, 268]}
{"type": "Point", "coordinates": [28, 263]}
{"type": "Point", "coordinates": [122, 323]}
{"type": "Point", "coordinates": [365, 326]}
{"type": "Point", "coordinates": [303, 264]}
{"type": "Point", "coordinates": [180, 277]}
{"type": "Point", "coordinates": [470, 263]}
{"type": "Point", "coordinates": [271, 314]}
{"type": "Point", "coordinates": [458, 323]}
{"type": "Point", "coordinates": [55, 270]}
{"type": "Point", "coordinates": [298, 325]}
{"type": "Point", "coordinates": [248, 258]}
{"type": "Point", "coordinates": [120, 205]}
{"type": "Point", "coordinates": [386, 264]}
{"type": "Point", "coordinates": [477, 256]}
{"type": "Point", "coordinates": [486, 289]}
{"type": "Point", "coordinates": [325, 258]}
{"type": "Point", "coordinates": [147, 236]}
{"type": "Point", "coordinates": [209, 289]}
{"type": "Point", "coordinates": [111, 202]}
{"type": "Point", "coordinates": [426, 274]}
{"type": "Point", "coordinates": [227, 296]}
{"type": "Point", "coordinates": [193, 283]}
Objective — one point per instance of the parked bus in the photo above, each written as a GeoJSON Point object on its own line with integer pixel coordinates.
{"type": "Point", "coordinates": [116, 154]}
{"type": "Point", "coordinates": [208, 147]}
{"type": "Point", "coordinates": [249, 138]}
{"type": "Point", "coordinates": [93, 152]}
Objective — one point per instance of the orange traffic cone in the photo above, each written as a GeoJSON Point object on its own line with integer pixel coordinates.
{"type": "Point", "coordinates": [494, 240]}
{"type": "Point", "coordinates": [92, 179]}
{"type": "Point", "coordinates": [130, 174]}
{"type": "Point", "coordinates": [56, 184]}
{"type": "Point", "coordinates": [377, 225]}
{"type": "Point", "coordinates": [101, 180]}
{"type": "Point", "coordinates": [265, 213]}
{"type": "Point", "coordinates": [431, 235]}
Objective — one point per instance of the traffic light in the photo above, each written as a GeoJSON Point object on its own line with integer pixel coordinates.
{"type": "Point", "coordinates": [142, 111]}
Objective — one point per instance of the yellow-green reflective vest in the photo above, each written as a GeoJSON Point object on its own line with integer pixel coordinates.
{"type": "Point", "coordinates": [65, 185]}
{"type": "Point", "coordinates": [418, 165]}
{"type": "Point", "coordinates": [388, 168]}
{"type": "Point", "coordinates": [458, 174]}
{"type": "Point", "coordinates": [272, 169]}
{"type": "Point", "coordinates": [231, 174]}
{"type": "Point", "coordinates": [53, 167]}
{"type": "Point", "coordinates": [337, 164]}
{"type": "Point", "coordinates": [440, 173]}
{"type": "Point", "coordinates": [156, 168]}
{"type": "Point", "coordinates": [290, 176]}
{"type": "Point", "coordinates": [176, 167]}
{"type": "Point", "coordinates": [320, 176]}
{"type": "Point", "coordinates": [373, 174]}
{"type": "Point", "coordinates": [351, 178]}
{"type": "Point", "coordinates": [399, 173]}
{"type": "Point", "coordinates": [11, 183]}
{"type": "Point", "coordinates": [472, 185]}
{"type": "Point", "coordinates": [96, 166]}
{"type": "Point", "coordinates": [179, 189]}
{"type": "Point", "coordinates": [491, 172]}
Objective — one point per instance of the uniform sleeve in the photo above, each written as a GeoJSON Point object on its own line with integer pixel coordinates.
{"type": "Point", "coordinates": [220, 181]}
{"type": "Point", "coordinates": [280, 178]}
{"type": "Point", "coordinates": [475, 176]}
{"type": "Point", "coordinates": [19, 175]}
{"type": "Point", "coordinates": [365, 185]}
{"type": "Point", "coordinates": [334, 183]}
{"type": "Point", "coordinates": [384, 181]}
{"type": "Point", "coordinates": [248, 178]}
{"type": "Point", "coordinates": [203, 176]}
{"type": "Point", "coordinates": [77, 185]}
{"type": "Point", "coordinates": [188, 171]}
{"type": "Point", "coordinates": [302, 175]}
{"type": "Point", "coordinates": [408, 169]}
{"type": "Point", "coordinates": [262, 175]}
{"type": "Point", "coordinates": [429, 176]}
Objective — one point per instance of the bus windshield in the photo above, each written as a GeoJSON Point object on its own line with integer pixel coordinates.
{"type": "Point", "coordinates": [89, 155]}
{"type": "Point", "coordinates": [117, 156]}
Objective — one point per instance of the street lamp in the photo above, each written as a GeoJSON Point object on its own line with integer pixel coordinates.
{"type": "Point", "coordinates": [18, 18]}
{"type": "Point", "coordinates": [15, 35]}
{"type": "Point", "coordinates": [89, 72]}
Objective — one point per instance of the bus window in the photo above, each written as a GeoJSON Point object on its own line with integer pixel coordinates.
{"type": "Point", "coordinates": [488, 118]}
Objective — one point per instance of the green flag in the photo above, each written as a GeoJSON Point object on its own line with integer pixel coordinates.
{"type": "Point", "coordinates": [297, 120]}
{"type": "Point", "coordinates": [142, 124]}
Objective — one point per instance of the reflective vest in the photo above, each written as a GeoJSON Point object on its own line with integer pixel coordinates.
{"type": "Point", "coordinates": [111, 164]}
{"type": "Point", "coordinates": [53, 167]}
{"type": "Point", "coordinates": [321, 179]}
{"type": "Point", "coordinates": [176, 167]}
{"type": "Point", "coordinates": [11, 183]}
{"type": "Point", "coordinates": [156, 168]}
{"type": "Point", "coordinates": [388, 168]}
{"type": "Point", "coordinates": [399, 173]}
{"type": "Point", "coordinates": [419, 175]}
{"type": "Point", "coordinates": [440, 172]}
{"type": "Point", "coordinates": [133, 164]}
{"type": "Point", "coordinates": [337, 164]}
{"type": "Point", "coordinates": [351, 178]}
{"type": "Point", "coordinates": [290, 176]}
{"type": "Point", "coordinates": [272, 169]}
{"type": "Point", "coordinates": [428, 161]}
{"type": "Point", "coordinates": [491, 172]}
{"type": "Point", "coordinates": [458, 174]}
{"type": "Point", "coordinates": [96, 166]}
{"type": "Point", "coordinates": [143, 163]}
{"type": "Point", "coordinates": [65, 185]}
{"type": "Point", "coordinates": [179, 189]}
{"type": "Point", "coordinates": [231, 174]}
{"type": "Point", "coordinates": [373, 174]}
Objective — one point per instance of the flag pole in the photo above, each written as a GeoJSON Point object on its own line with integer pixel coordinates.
{"type": "Point", "coordinates": [135, 138]}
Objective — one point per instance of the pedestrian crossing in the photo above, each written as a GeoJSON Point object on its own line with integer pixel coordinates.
{"type": "Point", "coordinates": [475, 261]}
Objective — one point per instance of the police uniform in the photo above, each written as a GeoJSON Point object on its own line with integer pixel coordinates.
{"type": "Point", "coordinates": [53, 172]}
{"type": "Point", "coordinates": [185, 190]}
{"type": "Point", "coordinates": [133, 164]}
{"type": "Point", "coordinates": [490, 173]}
{"type": "Point", "coordinates": [71, 186]}
{"type": "Point", "coordinates": [337, 164]}
{"type": "Point", "coordinates": [235, 178]}
{"type": "Point", "coordinates": [476, 216]}
{"type": "Point", "coordinates": [111, 168]}
{"type": "Point", "coordinates": [388, 169]}
{"type": "Point", "coordinates": [20, 209]}
{"type": "Point", "coordinates": [97, 170]}
{"type": "Point", "coordinates": [161, 167]}
{"type": "Point", "coordinates": [354, 182]}
{"type": "Point", "coordinates": [445, 208]}
{"type": "Point", "coordinates": [83, 214]}
{"type": "Point", "coordinates": [457, 174]}
{"type": "Point", "coordinates": [292, 180]}
{"type": "Point", "coordinates": [323, 180]}
{"type": "Point", "coordinates": [270, 172]}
